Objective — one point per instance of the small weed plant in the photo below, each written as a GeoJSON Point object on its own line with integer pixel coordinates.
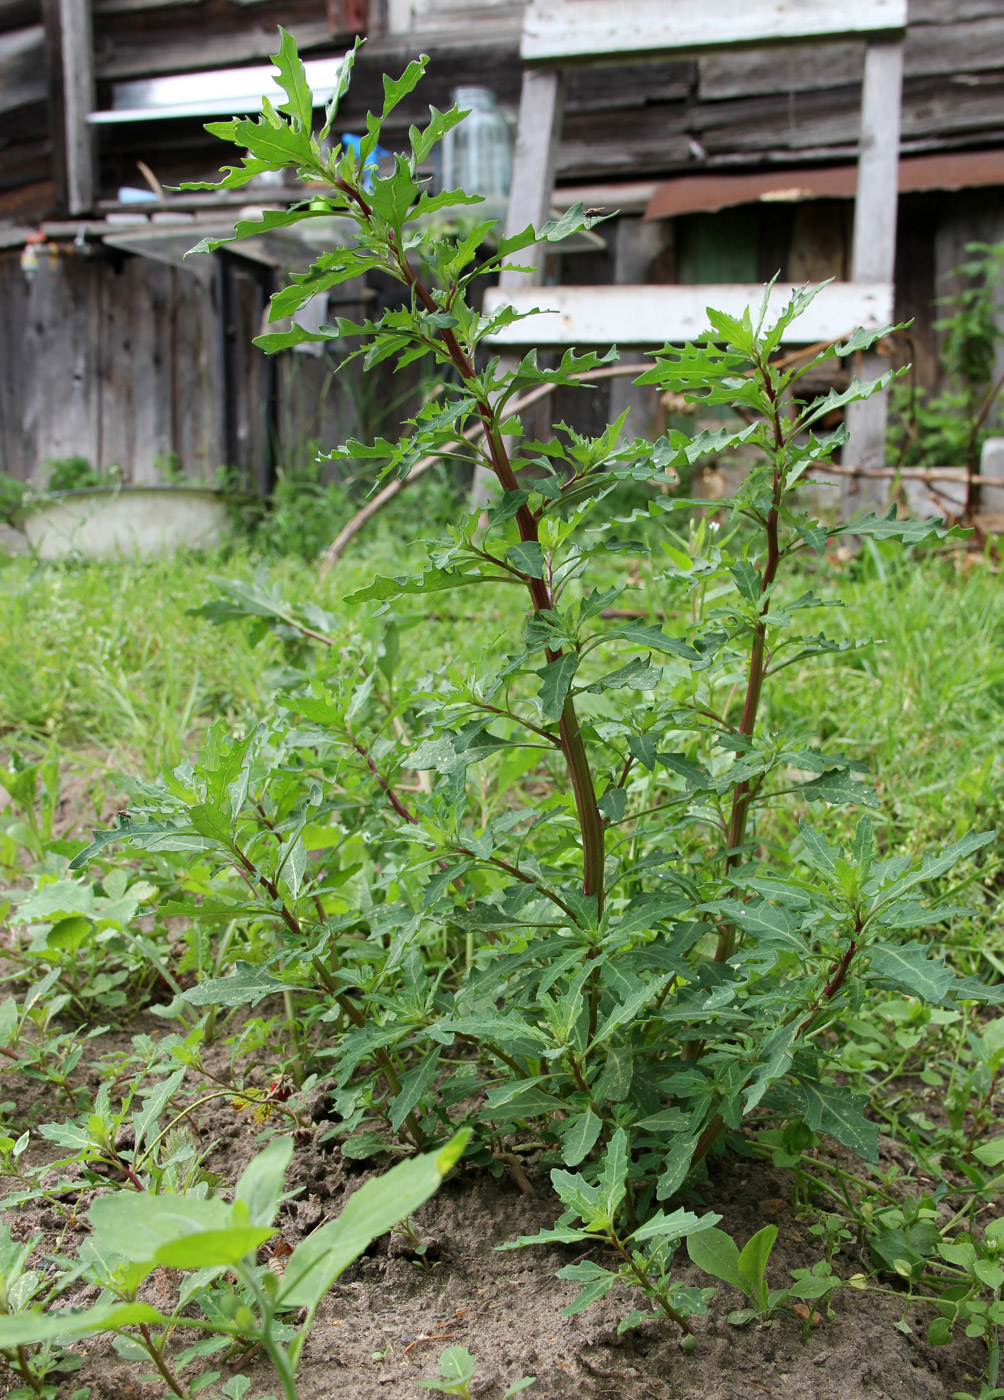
{"type": "Point", "coordinates": [586, 897]}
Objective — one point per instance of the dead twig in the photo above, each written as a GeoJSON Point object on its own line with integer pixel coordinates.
{"type": "Point", "coordinates": [476, 431]}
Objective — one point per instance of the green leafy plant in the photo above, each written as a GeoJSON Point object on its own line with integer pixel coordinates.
{"type": "Point", "coordinates": [592, 1214]}
{"type": "Point", "coordinates": [457, 1371]}
{"type": "Point", "coordinates": [948, 429]}
{"type": "Point", "coordinates": [33, 791]}
{"type": "Point", "coordinates": [547, 879]}
{"type": "Point", "coordinates": [12, 496]}
{"type": "Point", "coordinates": [135, 1233]}
{"type": "Point", "coordinates": [746, 1269]}
{"type": "Point", "coordinates": [76, 473]}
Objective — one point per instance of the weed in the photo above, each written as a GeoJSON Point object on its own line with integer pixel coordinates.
{"type": "Point", "coordinates": [638, 978]}
{"type": "Point", "coordinates": [457, 1371]}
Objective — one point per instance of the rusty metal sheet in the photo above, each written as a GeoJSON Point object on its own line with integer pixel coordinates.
{"type": "Point", "coordinates": [704, 194]}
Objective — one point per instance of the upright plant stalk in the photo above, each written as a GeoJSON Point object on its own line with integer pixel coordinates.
{"type": "Point", "coordinates": [570, 735]}
{"type": "Point", "coordinates": [741, 793]}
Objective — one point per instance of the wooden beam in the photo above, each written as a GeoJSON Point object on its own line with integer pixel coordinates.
{"type": "Point", "coordinates": [657, 315]}
{"type": "Point", "coordinates": [874, 248]}
{"type": "Point", "coordinates": [560, 32]}
{"type": "Point", "coordinates": [535, 157]}
{"type": "Point", "coordinates": [70, 60]}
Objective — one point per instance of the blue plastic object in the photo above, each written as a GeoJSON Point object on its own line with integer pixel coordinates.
{"type": "Point", "coordinates": [354, 143]}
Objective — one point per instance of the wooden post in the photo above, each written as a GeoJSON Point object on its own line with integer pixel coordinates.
{"type": "Point", "coordinates": [70, 60]}
{"type": "Point", "coordinates": [538, 135]}
{"type": "Point", "coordinates": [874, 248]}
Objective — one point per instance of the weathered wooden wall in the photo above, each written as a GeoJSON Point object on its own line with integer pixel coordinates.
{"type": "Point", "coordinates": [725, 111]}
{"type": "Point", "coordinates": [109, 357]}
{"type": "Point", "coordinates": [119, 359]}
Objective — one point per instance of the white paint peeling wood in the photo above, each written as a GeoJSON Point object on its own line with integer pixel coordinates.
{"type": "Point", "coordinates": [578, 31]}
{"type": "Point", "coordinates": [655, 315]}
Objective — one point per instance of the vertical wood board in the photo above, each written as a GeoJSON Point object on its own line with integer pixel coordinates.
{"type": "Point", "coordinates": [538, 135]}
{"type": "Point", "coordinates": [116, 361]}
{"type": "Point", "coordinates": [874, 248]}
{"type": "Point", "coordinates": [78, 103]}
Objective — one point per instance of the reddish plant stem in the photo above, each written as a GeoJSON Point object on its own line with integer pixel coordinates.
{"type": "Point", "coordinates": [569, 733]}
{"type": "Point", "coordinates": [392, 796]}
{"type": "Point", "coordinates": [646, 1285]}
{"type": "Point", "coordinates": [127, 1171]}
{"type": "Point", "coordinates": [354, 1013]}
{"type": "Point", "coordinates": [158, 1361]}
{"type": "Point", "coordinates": [741, 794]}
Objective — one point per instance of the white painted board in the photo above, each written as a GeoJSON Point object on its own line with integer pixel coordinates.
{"type": "Point", "coordinates": [603, 316]}
{"type": "Point", "coordinates": [576, 31]}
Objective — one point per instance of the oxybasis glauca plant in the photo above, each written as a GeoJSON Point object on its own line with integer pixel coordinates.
{"type": "Point", "coordinates": [570, 922]}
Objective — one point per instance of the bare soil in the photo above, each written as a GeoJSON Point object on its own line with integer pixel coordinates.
{"type": "Point", "coordinates": [383, 1326]}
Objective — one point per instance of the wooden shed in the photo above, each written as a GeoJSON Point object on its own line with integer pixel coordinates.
{"type": "Point", "coordinates": [726, 167]}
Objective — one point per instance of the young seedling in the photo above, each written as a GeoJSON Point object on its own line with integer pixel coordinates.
{"type": "Point", "coordinates": [645, 1253]}
{"type": "Point", "coordinates": [136, 1233]}
{"type": "Point", "coordinates": [746, 1269]}
{"type": "Point", "coordinates": [456, 1372]}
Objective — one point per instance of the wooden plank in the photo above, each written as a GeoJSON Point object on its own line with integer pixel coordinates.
{"type": "Point", "coordinates": [60, 331]}
{"type": "Point", "coordinates": [55, 103]}
{"type": "Point", "coordinates": [873, 252]}
{"type": "Point", "coordinates": [115, 355]}
{"type": "Point", "coordinates": [16, 443]}
{"type": "Point", "coordinates": [76, 59]}
{"type": "Point", "coordinates": [198, 416]}
{"type": "Point", "coordinates": [825, 125]}
{"type": "Point", "coordinates": [660, 314]}
{"type": "Point", "coordinates": [613, 88]}
{"type": "Point", "coordinates": [398, 14]}
{"type": "Point", "coordinates": [583, 31]}
{"type": "Point", "coordinates": [153, 386]}
{"type": "Point", "coordinates": [874, 248]}
{"type": "Point", "coordinates": [949, 49]}
{"type": "Point", "coordinates": [22, 67]}
{"type": "Point", "coordinates": [128, 7]}
{"type": "Point", "coordinates": [133, 57]}
{"type": "Point", "coordinates": [538, 134]}
{"type": "Point", "coordinates": [944, 11]}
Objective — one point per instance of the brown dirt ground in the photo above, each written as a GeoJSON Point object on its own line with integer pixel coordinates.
{"type": "Point", "coordinates": [384, 1325]}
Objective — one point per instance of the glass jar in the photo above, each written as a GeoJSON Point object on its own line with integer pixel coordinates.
{"type": "Point", "coordinates": [476, 156]}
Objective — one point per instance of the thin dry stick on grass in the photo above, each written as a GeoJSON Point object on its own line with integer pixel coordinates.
{"type": "Point", "coordinates": [394, 488]}
{"type": "Point", "coordinates": [382, 498]}
{"type": "Point", "coordinates": [372, 507]}
{"type": "Point", "coordinates": [916, 474]}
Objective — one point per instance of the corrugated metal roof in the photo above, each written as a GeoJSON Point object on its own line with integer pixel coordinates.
{"type": "Point", "coordinates": [693, 194]}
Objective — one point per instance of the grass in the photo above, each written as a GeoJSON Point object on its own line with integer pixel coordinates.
{"type": "Point", "coordinates": [103, 658]}
{"type": "Point", "coordinates": [923, 706]}
{"type": "Point", "coordinates": [103, 664]}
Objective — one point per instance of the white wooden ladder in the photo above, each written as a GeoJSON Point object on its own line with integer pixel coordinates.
{"type": "Point", "coordinates": [558, 34]}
